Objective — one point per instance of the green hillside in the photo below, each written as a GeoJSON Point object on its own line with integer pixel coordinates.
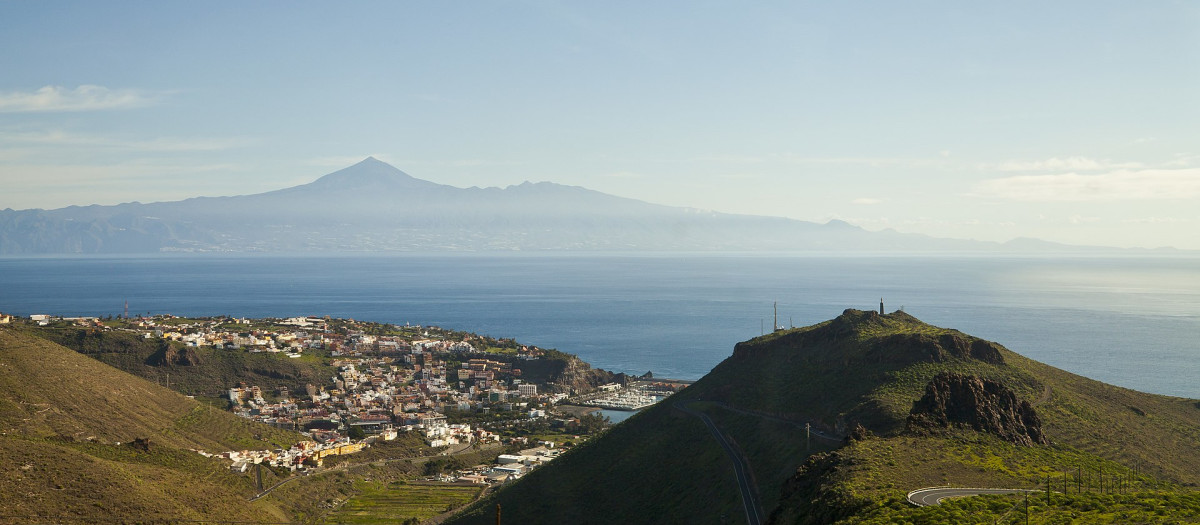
{"type": "Point", "coordinates": [206, 373]}
{"type": "Point", "coordinates": [82, 439]}
{"type": "Point", "coordinates": [895, 405]}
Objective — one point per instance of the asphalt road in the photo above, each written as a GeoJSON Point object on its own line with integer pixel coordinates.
{"type": "Point", "coordinates": [934, 495]}
{"type": "Point", "coordinates": [740, 469]}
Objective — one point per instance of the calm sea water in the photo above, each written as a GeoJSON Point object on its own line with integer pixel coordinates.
{"type": "Point", "coordinates": [1133, 322]}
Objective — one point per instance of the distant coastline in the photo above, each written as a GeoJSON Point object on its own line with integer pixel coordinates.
{"type": "Point", "coordinates": [633, 313]}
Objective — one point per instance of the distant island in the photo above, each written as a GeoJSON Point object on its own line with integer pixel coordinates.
{"type": "Point", "coordinates": [374, 207]}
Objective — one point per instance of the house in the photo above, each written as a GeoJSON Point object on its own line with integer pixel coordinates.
{"type": "Point", "coordinates": [504, 474]}
{"type": "Point", "coordinates": [474, 478]}
{"type": "Point", "coordinates": [507, 459]}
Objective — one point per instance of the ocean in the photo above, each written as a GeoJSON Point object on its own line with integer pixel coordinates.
{"type": "Point", "coordinates": [1133, 321]}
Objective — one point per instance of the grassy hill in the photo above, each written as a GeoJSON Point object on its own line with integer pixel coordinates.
{"type": "Point", "coordinates": [987, 417]}
{"type": "Point", "coordinates": [210, 372]}
{"type": "Point", "coordinates": [207, 372]}
{"type": "Point", "coordinates": [67, 423]}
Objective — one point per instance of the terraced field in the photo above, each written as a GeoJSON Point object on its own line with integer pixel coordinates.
{"type": "Point", "coordinates": [399, 502]}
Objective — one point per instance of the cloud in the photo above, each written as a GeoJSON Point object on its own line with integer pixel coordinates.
{"type": "Point", "coordinates": [1155, 220]}
{"type": "Point", "coordinates": [83, 98]}
{"type": "Point", "coordinates": [1121, 185]}
{"type": "Point", "coordinates": [146, 180]}
{"type": "Point", "coordinates": [1181, 160]}
{"type": "Point", "coordinates": [58, 138]}
{"type": "Point", "coordinates": [788, 158]}
{"type": "Point", "coordinates": [1063, 164]}
{"type": "Point", "coordinates": [733, 159]}
{"type": "Point", "coordinates": [866, 200]}
{"type": "Point", "coordinates": [623, 175]}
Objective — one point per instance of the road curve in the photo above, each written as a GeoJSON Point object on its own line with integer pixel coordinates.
{"type": "Point", "coordinates": [934, 495]}
{"type": "Point", "coordinates": [740, 469]}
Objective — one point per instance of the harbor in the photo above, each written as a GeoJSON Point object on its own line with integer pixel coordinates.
{"type": "Point", "coordinates": [630, 400]}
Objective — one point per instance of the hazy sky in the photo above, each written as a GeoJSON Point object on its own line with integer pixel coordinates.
{"type": "Point", "coordinates": [1076, 122]}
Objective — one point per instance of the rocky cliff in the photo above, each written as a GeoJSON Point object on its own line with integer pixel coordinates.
{"type": "Point", "coordinates": [954, 400]}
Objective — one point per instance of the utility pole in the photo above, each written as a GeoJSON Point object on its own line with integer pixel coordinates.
{"type": "Point", "coordinates": [1027, 508]}
{"type": "Point", "coordinates": [807, 436]}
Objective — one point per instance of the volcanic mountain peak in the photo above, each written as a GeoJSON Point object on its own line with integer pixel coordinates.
{"type": "Point", "coordinates": [369, 173]}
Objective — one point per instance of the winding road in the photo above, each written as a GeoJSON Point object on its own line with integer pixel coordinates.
{"type": "Point", "coordinates": [934, 495]}
{"type": "Point", "coordinates": [740, 468]}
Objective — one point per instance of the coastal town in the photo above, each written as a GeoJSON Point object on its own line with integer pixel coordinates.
{"type": "Point", "coordinates": [455, 390]}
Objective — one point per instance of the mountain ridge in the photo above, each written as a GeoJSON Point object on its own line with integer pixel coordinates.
{"type": "Point", "coordinates": [894, 405]}
{"type": "Point", "coordinates": [373, 206]}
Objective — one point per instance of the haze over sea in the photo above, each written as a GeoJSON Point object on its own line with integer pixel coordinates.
{"type": "Point", "coordinates": [1132, 322]}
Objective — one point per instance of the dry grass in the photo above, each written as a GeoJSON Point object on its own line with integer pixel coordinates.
{"type": "Point", "coordinates": [62, 416]}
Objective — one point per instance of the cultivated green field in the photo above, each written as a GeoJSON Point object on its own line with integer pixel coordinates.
{"type": "Point", "coordinates": [399, 502]}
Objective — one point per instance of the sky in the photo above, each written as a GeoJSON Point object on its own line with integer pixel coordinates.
{"type": "Point", "coordinates": [1075, 122]}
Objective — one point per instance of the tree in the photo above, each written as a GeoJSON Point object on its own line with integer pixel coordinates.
{"type": "Point", "coordinates": [592, 423]}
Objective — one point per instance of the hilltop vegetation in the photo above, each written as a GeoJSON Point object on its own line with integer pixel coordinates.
{"type": "Point", "coordinates": [987, 417]}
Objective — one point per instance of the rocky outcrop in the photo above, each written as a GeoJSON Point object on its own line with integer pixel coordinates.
{"type": "Point", "coordinates": [940, 348]}
{"type": "Point", "coordinates": [813, 495]}
{"type": "Point", "coordinates": [955, 400]}
{"type": "Point", "coordinates": [168, 354]}
{"type": "Point", "coordinates": [857, 433]}
{"type": "Point", "coordinates": [578, 376]}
